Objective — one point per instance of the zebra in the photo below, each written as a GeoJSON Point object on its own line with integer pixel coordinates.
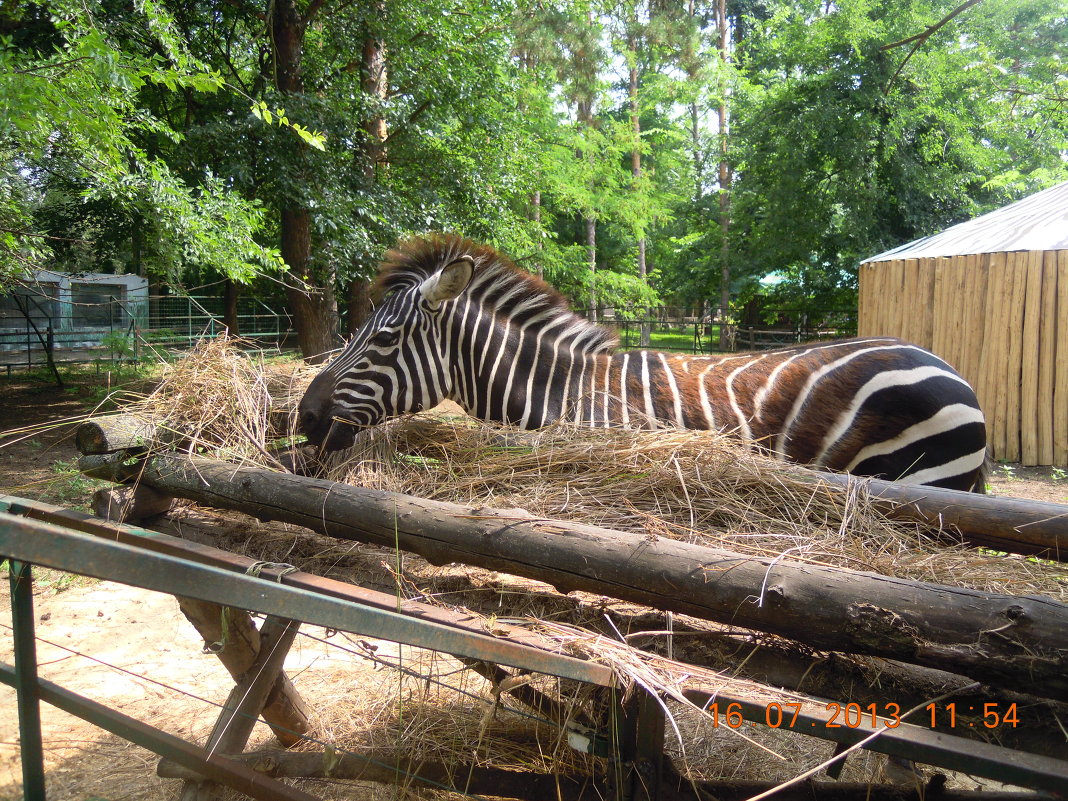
{"type": "Point", "coordinates": [460, 321]}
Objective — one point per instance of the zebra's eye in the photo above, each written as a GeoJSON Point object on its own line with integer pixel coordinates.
{"type": "Point", "coordinates": [385, 338]}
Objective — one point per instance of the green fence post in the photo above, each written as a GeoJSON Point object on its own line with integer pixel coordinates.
{"type": "Point", "coordinates": [32, 752]}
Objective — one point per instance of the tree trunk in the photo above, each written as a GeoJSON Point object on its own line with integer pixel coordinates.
{"type": "Point", "coordinates": [724, 183]}
{"type": "Point", "coordinates": [313, 305]}
{"type": "Point", "coordinates": [636, 165]}
{"type": "Point", "coordinates": [359, 304]}
{"type": "Point", "coordinates": [231, 293]}
{"type": "Point", "coordinates": [535, 216]}
{"type": "Point", "coordinates": [591, 255]}
{"type": "Point", "coordinates": [374, 79]}
{"type": "Point", "coordinates": [937, 626]}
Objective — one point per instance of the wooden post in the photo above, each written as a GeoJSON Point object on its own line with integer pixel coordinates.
{"type": "Point", "coordinates": [246, 700]}
{"type": "Point", "coordinates": [240, 643]}
{"type": "Point", "coordinates": [130, 504]}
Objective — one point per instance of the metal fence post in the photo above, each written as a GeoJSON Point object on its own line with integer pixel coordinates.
{"type": "Point", "coordinates": [32, 751]}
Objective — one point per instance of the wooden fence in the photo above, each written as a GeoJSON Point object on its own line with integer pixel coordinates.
{"type": "Point", "coordinates": [1002, 320]}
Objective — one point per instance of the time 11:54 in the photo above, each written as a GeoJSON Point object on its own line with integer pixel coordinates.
{"type": "Point", "coordinates": [994, 714]}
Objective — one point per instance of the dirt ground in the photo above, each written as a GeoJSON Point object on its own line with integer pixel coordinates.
{"type": "Point", "coordinates": [143, 633]}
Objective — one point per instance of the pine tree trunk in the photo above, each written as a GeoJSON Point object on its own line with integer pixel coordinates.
{"type": "Point", "coordinates": [359, 304]}
{"type": "Point", "coordinates": [591, 255]}
{"type": "Point", "coordinates": [636, 169]}
{"type": "Point", "coordinates": [535, 216]}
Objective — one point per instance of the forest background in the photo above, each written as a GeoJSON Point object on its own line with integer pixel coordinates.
{"type": "Point", "coordinates": [703, 154]}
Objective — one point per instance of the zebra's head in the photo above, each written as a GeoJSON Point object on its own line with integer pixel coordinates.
{"type": "Point", "coordinates": [395, 364]}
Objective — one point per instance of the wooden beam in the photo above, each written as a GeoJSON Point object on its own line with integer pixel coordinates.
{"type": "Point", "coordinates": [826, 608]}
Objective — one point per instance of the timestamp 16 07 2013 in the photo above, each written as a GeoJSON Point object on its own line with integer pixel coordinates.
{"type": "Point", "coordinates": [833, 715]}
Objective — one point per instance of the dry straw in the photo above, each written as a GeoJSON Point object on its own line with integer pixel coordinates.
{"type": "Point", "coordinates": [701, 487]}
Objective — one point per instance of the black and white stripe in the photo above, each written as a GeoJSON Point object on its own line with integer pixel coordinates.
{"type": "Point", "coordinates": [459, 321]}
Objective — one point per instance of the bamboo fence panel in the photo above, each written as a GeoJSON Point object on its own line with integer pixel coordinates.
{"type": "Point", "coordinates": [989, 375]}
{"type": "Point", "coordinates": [956, 312]}
{"type": "Point", "coordinates": [924, 310]}
{"type": "Point", "coordinates": [1014, 359]}
{"type": "Point", "coordinates": [1030, 354]}
{"type": "Point", "coordinates": [1001, 319]}
{"type": "Point", "coordinates": [864, 277]}
{"type": "Point", "coordinates": [907, 310]}
{"type": "Point", "coordinates": [1047, 363]}
{"type": "Point", "coordinates": [940, 334]}
{"type": "Point", "coordinates": [977, 328]}
{"type": "Point", "coordinates": [1060, 382]}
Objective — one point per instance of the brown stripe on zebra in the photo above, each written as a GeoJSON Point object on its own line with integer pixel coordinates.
{"type": "Point", "coordinates": [510, 349]}
{"type": "Point", "coordinates": [832, 405]}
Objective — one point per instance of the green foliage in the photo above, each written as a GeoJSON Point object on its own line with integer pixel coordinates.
{"type": "Point", "coordinates": [153, 137]}
{"type": "Point", "coordinates": [70, 92]}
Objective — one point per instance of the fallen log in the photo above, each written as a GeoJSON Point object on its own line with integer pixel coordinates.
{"type": "Point", "coordinates": [130, 504]}
{"type": "Point", "coordinates": [117, 432]}
{"type": "Point", "coordinates": [1007, 641]}
{"type": "Point", "coordinates": [1014, 525]}
{"type": "Point", "coordinates": [862, 680]}
{"type": "Point", "coordinates": [389, 767]}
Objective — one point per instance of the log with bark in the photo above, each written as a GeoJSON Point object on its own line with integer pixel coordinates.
{"type": "Point", "coordinates": [1006, 641]}
{"type": "Point", "coordinates": [390, 767]}
{"type": "Point", "coordinates": [1013, 525]}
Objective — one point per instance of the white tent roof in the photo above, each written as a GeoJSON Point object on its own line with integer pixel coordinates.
{"type": "Point", "coordinates": [1038, 222]}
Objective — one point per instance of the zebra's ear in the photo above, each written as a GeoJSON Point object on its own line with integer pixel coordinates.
{"type": "Point", "coordinates": [448, 282]}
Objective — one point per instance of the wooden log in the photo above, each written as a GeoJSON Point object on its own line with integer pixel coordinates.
{"type": "Point", "coordinates": [245, 702]}
{"type": "Point", "coordinates": [1014, 364]}
{"type": "Point", "coordinates": [862, 680]}
{"type": "Point", "coordinates": [130, 504]}
{"type": "Point", "coordinates": [948, 628]}
{"type": "Point", "coordinates": [1013, 525]}
{"type": "Point", "coordinates": [119, 432]}
{"type": "Point", "coordinates": [1031, 356]}
{"type": "Point", "coordinates": [1047, 357]}
{"type": "Point", "coordinates": [1060, 380]}
{"type": "Point", "coordinates": [284, 711]}
{"type": "Point", "coordinates": [390, 767]}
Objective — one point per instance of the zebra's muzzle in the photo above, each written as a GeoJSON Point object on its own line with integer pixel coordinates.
{"type": "Point", "coordinates": [318, 420]}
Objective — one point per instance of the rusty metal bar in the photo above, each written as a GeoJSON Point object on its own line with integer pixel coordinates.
{"type": "Point", "coordinates": [905, 740]}
{"type": "Point", "coordinates": [52, 546]}
{"type": "Point", "coordinates": [219, 769]}
{"type": "Point", "coordinates": [216, 557]}
{"type": "Point", "coordinates": [31, 750]}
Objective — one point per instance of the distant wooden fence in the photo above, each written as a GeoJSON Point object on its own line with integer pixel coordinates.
{"type": "Point", "coordinates": [1001, 319]}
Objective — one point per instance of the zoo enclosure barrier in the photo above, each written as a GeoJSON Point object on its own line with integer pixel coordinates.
{"type": "Point", "coordinates": [683, 331]}
{"type": "Point", "coordinates": [32, 533]}
{"type": "Point", "coordinates": [36, 329]}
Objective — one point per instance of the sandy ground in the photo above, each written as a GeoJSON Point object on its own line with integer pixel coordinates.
{"type": "Point", "coordinates": [80, 620]}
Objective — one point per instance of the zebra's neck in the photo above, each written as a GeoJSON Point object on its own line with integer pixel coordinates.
{"type": "Point", "coordinates": [527, 370]}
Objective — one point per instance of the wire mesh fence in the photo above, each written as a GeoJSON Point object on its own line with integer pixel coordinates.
{"type": "Point", "coordinates": [36, 329]}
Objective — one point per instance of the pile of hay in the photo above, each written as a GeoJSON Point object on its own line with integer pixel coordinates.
{"type": "Point", "coordinates": [698, 486]}
{"type": "Point", "coordinates": [222, 400]}
{"type": "Point", "coordinates": [701, 487]}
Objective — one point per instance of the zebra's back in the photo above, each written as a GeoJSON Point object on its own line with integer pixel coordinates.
{"type": "Point", "coordinates": [878, 407]}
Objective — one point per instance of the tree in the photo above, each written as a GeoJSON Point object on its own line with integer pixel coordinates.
{"type": "Point", "coordinates": [69, 87]}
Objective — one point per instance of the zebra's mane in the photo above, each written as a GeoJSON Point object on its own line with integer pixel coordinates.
{"type": "Point", "coordinates": [496, 279]}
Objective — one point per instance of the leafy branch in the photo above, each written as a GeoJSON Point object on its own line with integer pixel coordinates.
{"type": "Point", "coordinates": [920, 38]}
